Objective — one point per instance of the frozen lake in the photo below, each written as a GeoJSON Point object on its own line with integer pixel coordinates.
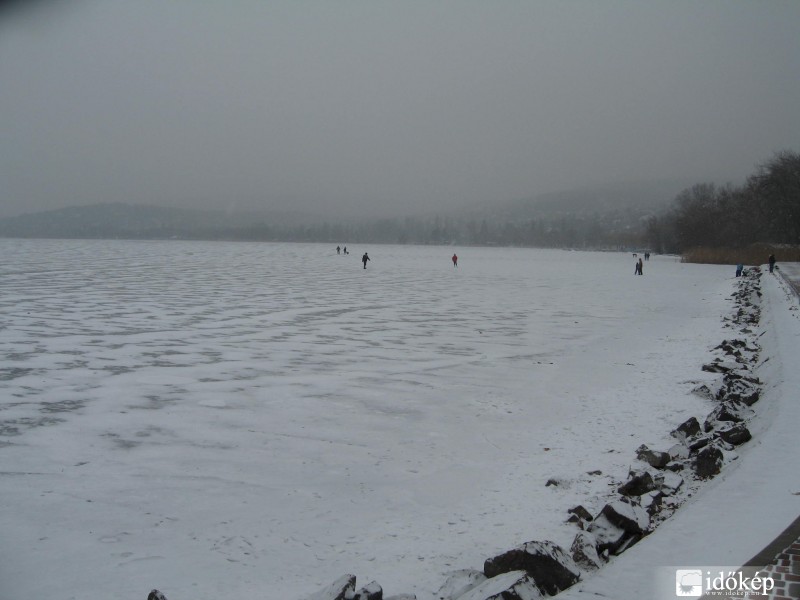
{"type": "Point", "coordinates": [255, 420]}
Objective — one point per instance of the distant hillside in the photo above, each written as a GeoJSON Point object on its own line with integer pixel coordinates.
{"type": "Point", "coordinates": [135, 221]}
{"type": "Point", "coordinates": [603, 217]}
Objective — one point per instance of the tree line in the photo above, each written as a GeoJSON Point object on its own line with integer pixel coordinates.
{"type": "Point", "coordinates": [765, 209]}
{"type": "Point", "coordinates": [566, 232]}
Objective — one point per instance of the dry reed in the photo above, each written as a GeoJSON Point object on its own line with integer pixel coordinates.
{"type": "Point", "coordinates": [755, 254]}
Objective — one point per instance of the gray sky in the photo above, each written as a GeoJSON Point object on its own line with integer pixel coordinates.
{"type": "Point", "coordinates": [402, 105]}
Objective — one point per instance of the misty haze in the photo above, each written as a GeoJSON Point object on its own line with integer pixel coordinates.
{"type": "Point", "coordinates": [385, 109]}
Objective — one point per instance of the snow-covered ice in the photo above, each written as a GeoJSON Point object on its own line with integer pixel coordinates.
{"type": "Point", "coordinates": [256, 420]}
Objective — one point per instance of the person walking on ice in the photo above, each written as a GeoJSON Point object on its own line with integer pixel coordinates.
{"type": "Point", "coordinates": [455, 260]}
{"type": "Point", "coordinates": [364, 259]}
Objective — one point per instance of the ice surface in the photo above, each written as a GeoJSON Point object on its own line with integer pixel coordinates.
{"type": "Point", "coordinates": [259, 419]}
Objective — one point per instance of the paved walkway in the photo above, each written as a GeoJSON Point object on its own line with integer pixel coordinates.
{"type": "Point", "coordinates": [781, 559]}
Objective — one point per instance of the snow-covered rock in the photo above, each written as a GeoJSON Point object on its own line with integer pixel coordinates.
{"type": "Point", "coordinates": [654, 458]}
{"type": "Point", "coordinates": [580, 513]}
{"type": "Point", "coordinates": [737, 387]}
{"type": "Point", "coordinates": [584, 551]}
{"type": "Point", "coordinates": [341, 589]}
{"type": "Point", "coordinates": [639, 482]}
{"type": "Point", "coordinates": [630, 517]}
{"type": "Point", "coordinates": [549, 566]}
{"type": "Point", "coordinates": [708, 462]}
{"type": "Point", "coordinates": [720, 366]}
{"type": "Point", "coordinates": [679, 451]}
{"type": "Point", "coordinates": [371, 591]}
{"type": "Point", "coordinates": [651, 501]}
{"type": "Point", "coordinates": [730, 410]}
{"type": "Point", "coordinates": [669, 483]}
{"type": "Point", "coordinates": [460, 582]}
{"type": "Point", "coordinates": [609, 537]}
{"type": "Point", "coordinates": [701, 441]}
{"type": "Point", "coordinates": [688, 429]}
{"type": "Point", "coordinates": [514, 585]}
{"type": "Point", "coordinates": [735, 435]}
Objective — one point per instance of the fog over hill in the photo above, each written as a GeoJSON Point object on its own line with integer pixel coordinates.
{"type": "Point", "coordinates": [384, 109]}
{"type": "Point", "coordinates": [588, 217]}
{"type": "Point", "coordinates": [119, 220]}
{"type": "Point", "coordinates": [634, 198]}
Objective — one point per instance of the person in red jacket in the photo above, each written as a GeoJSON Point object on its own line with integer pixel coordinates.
{"type": "Point", "coordinates": [455, 260]}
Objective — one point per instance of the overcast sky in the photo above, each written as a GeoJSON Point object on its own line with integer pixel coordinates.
{"type": "Point", "coordinates": [403, 105]}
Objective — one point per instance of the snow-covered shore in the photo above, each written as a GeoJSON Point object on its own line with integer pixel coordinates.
{"type": "Point", "coordinates": [751, 502]}
{"type": "Point", "coordinates": [258, 419]}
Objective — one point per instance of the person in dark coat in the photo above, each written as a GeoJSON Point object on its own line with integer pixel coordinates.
{"type": "Point", "coordinates": [364, 259]}
{"type": "Point", "coordinates": [771, 263]}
